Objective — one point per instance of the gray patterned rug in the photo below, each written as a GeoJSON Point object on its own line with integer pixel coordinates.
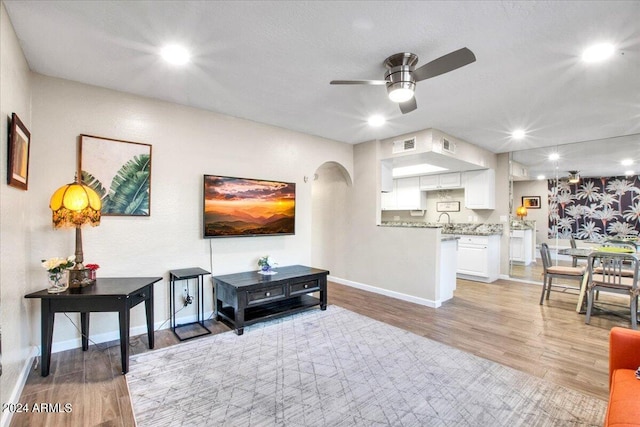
{"type": "Point", "coordinates": [338, 368]}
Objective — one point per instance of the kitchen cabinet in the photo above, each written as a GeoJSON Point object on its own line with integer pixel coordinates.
{"type": "Point", "coordinates": [442, 181]}
{"type": "Point", "coordinates": [479, 258]}
{"type": "Point", "coordinates": [480, 189]}
{"type": "Point", "coordinates": [521, 246]}
{"type": "Point", "coordinates": [405, 195]}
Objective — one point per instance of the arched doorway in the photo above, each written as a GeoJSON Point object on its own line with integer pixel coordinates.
{"type": "Point", "coordinates": [330, 195]}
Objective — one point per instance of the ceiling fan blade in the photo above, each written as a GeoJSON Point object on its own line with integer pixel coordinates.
{"type": "Point", "coordinates": [358, 82]}
{"type": "Point", "coordinates": [408, 106]}
{"type": "Point", "coordinates": [444, 64]}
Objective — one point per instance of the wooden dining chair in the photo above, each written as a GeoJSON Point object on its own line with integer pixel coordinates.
{"type": "Point", "coordinates": [557, 272]}
{"type": "Point", "coordinates": [613, 272]}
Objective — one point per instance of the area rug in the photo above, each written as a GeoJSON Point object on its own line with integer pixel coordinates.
{"type": "Point", "coordinates": [339, 368]}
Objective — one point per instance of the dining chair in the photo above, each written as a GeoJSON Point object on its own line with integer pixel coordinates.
{"type": "Point", "coordinates": [557, 272]}
{"type": "Point", "coordinates": [613, 272]}
{"type": "Point", "coordinates": [575, 258]}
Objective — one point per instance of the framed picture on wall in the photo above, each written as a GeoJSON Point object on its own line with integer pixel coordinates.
{"type": "Point", "coordinates": [18, 156]}
{"type": "Point", "coordinates": [531, 202]}
{"type": "Point", "coordinates": [120, 172]}
{"type": "Point", "coordinates": [448, 207]}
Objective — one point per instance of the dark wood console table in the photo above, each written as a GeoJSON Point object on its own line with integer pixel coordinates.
{"type": "Point", "coordinates": [250, 297]}
{"type": "Point", "coordinates": [117, 294]}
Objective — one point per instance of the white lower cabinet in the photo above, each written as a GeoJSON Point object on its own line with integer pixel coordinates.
{"type": "Point", "coordinates": [521, 246]}
{"type": "Point", "coordinates": [479, 258]}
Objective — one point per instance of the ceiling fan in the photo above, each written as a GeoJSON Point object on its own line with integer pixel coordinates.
{"type": "Point", "coordinates": [401, 75]}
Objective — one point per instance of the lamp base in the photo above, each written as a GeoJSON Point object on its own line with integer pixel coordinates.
{"type": "Point", "coordinates": [80, 278]}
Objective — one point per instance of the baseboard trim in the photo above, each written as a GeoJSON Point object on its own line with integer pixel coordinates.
{"type": "Point", "coordinates": [386, 292]}
{"type": "Point", "coordinates": [5, 420]}
{"type": "Point", "coordinates": [115, 335]}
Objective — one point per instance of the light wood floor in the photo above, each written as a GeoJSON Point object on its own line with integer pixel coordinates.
{"type": "Point", "coordinates": [501, 321]}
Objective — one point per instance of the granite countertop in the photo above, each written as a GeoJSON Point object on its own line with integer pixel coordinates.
{"type": "Point", "coordinates": [408, 224]}
{"type": "Point", "coordinates": [523, 225]}
{"type": "Point", "coordinates": [452, 229]}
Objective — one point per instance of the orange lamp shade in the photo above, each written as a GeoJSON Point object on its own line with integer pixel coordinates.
{"type": "Point", "coordinates": [74, 205]}
{"type": "Point", "coordinates": [521, 212]}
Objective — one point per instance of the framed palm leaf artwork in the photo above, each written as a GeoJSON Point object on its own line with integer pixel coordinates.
{"type": "Point", "coordinates": [120, 172]}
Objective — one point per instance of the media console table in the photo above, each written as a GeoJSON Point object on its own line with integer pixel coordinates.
{"type": "Point", "coordinates": [250, 297]}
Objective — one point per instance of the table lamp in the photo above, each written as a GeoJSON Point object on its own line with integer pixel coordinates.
{"type": "Point", "coordinates": [74, 205]}
{"type": "Point", "coordinates": [521, 212]}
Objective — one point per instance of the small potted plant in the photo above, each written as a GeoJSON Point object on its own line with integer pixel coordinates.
{"type": "Point", "coordinates": [57, 272]}
{"type": "Point", "coordinates": [266, 264]}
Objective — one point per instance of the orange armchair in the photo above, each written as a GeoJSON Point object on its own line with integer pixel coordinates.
{"type": "Point", "coordinates": [624, 387]}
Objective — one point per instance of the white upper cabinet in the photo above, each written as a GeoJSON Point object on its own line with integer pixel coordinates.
{"type": "Point", "coordinates": [406, 195]}
{"type": "Point", "coordinates": [386, 176]}
{"type": "Point", "coordinates": [437, 182]}
{"type": "Point", "coordinates": [480, 189]}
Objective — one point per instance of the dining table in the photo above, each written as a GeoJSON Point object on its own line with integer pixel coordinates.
{"type": "Point", "coordinates": [583, 253]}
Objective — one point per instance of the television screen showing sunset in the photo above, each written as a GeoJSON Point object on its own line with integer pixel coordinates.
{"type": "Point", "coordinates": [248, 207]}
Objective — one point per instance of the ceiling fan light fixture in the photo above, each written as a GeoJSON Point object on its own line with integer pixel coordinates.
{"type": "Point", "coordinates": [400, 94]}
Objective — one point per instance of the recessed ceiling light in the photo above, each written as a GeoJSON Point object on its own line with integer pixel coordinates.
{"type": "Point", "coordinates": [554, 156]}
{"type": "Point", "coordinates": [518, 134]}
{"type": "Point", "coordinates": [626, 162]}
{"type": "Point", "coordinates": [629, 173]}
{"type": "Point", "coordinates": [175, 54]}
{"type": "Point", "coordinates": [598, 52]}
{"type": "Point", "coordinates": [540, 177]}
{"type": "Point", "coordinates": [376, 120]}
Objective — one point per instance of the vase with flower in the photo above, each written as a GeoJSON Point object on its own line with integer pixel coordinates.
{"type": "Point", "coordinates": [93, 269]}
{"type": "Point", "coordinates": [57, 274]}
{"type": "Point", "coordinates": [267, 264]}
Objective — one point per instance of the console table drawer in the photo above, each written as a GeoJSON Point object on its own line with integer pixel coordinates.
{"type": "Point", "coordinates": [304, 287]}
{"type": "Point", "coordinates": [266, 294]}
{"type": "Point", "coordinates": [137, 298]}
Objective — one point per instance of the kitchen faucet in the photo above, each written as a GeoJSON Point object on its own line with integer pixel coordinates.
{"type": "Point", "coordinates": [448, 217]}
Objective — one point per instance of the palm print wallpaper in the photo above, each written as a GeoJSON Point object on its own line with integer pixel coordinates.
{"type": "Point", "coordinates": [594, 208]}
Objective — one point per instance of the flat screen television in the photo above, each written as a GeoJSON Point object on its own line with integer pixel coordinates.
{"type": "Point", "coordinates": [236, 207]}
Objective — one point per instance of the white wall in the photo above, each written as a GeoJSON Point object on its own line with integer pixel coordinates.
{"type": "Point", "coordinates": [330, 196]}
{"type": "Point", "coordinates": [540, 216]}
{"type": "Point", "coordinates": [15, 215]}
{"type": "Point", "coordinates": [402, 261]}
{"type": "Point", "coordinates": [187, 143]}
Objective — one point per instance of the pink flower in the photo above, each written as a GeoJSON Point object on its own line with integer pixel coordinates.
{"type": "Point", "coordinates": [92, 267]}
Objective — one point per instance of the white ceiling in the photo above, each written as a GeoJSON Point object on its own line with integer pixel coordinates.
{"type": "Point", "coordinates": [271, 62]}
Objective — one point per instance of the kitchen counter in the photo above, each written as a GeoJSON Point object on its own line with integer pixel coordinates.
{"type": "Point", "coordinates": [472, 229]}
{"type": "Point", "coordinates": [523, 225]}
